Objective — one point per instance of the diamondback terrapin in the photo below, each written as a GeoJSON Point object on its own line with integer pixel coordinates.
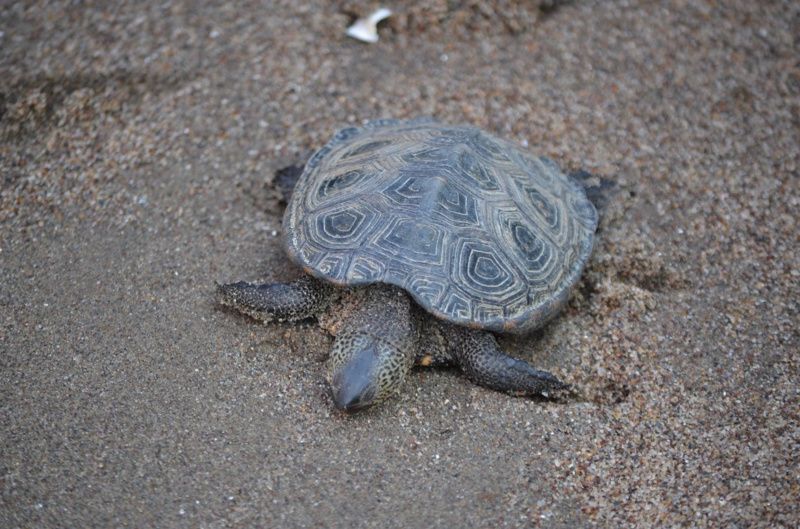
{"type": "Point", "coordinates": [419, 241]}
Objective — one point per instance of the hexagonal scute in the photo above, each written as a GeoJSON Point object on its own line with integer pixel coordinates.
{"type": "Point", "coordinates": [341, 227]}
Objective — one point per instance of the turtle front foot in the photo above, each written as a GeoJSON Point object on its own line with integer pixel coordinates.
{"type": "Point", "coordinates": [296, 300]}
{"type": "Point", "coordinates": [482, 361]}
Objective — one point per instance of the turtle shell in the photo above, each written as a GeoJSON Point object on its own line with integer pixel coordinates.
{"type": "Point", "coordinates": [477, 230]}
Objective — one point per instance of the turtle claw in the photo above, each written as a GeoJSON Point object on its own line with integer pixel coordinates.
{"type": "Point", "coordinates": [482, 360]}
{"type": "Point", "coordinates": [535, 382]}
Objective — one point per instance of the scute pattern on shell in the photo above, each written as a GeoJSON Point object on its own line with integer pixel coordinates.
{"type": "Point", "coordinates": [478, 231]}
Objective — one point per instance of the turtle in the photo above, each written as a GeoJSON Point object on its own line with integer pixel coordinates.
{"type": "Point", "coordinates": [420, 241]}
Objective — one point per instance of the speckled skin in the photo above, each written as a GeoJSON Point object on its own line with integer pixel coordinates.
{"type": "Point", "coordinates": [377, 337]}
{"type": "Point", "coordinates": [380, 334]}
{"type": "Point", "coordinates": [293, 301]}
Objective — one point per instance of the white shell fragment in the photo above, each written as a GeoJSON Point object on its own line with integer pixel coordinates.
{"type": "Point", "coordinates": [366, 29]}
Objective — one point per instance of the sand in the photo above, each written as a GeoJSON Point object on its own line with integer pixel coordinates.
{"type": "Point", "coordinates": [138, 146]}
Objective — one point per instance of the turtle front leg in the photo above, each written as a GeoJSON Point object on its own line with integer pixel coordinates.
{"type": "Point", "coordinates": [478, 355]}
{"type": "Point", "coordinates": [296, 300]}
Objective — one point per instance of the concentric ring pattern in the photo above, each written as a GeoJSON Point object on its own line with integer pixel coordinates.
{"type": "Point", "coordinates": [478, 231]}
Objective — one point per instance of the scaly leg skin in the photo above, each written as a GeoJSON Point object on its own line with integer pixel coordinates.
{"type": "Point", "coordinates": [296, 300]}
{"type": "Point", "coordinates": [478, 355]}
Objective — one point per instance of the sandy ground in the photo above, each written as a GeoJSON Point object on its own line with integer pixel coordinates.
{"type": "Point", "coordinates": [138, 145]}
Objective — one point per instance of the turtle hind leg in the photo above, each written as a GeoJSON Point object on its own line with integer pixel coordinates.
{"type": "Point", "coordinates": [599, 190]}
{"type": "Point", "coordinates": [296, 300]}
{"type": "Point", "coordinates": [478, 355]}
{"type": "Point", "coordinates": [285, 180]}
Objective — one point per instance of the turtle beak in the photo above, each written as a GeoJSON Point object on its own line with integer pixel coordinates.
{"type": "Point", "coordinates": [353, 385]}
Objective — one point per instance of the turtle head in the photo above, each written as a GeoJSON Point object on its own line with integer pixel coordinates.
{"type": "Point", "coordinates": [364, 370]}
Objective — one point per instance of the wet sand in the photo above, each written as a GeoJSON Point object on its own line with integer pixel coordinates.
{"type": "Point", "coordinates": [138, 145]}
